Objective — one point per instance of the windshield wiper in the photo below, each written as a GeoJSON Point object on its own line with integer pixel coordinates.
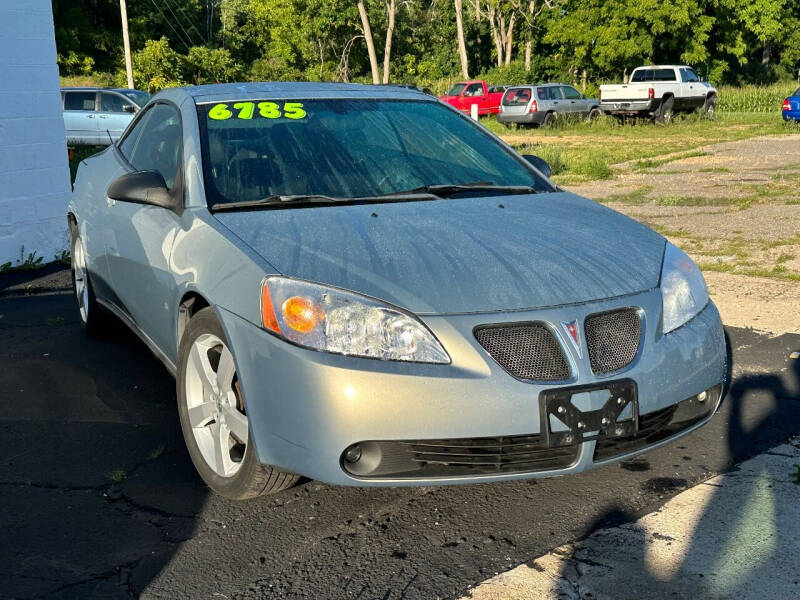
{"type": "Point", "coordinates": [445, 190]}
{"type": "Point", "coordinates": [284, 200]}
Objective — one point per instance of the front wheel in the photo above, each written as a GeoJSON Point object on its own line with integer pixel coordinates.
{"type": "Point", "coordinates": [710, 107]}
{"type": "Point", "coordinates": [213, 417]}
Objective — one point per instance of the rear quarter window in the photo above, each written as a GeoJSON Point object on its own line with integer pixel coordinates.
{"type": "Point", "coordinates": [517, 97]}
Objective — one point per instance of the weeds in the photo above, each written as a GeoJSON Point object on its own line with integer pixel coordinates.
{"type": "Point", "coordinates": [156, 452]}
{"type": "Point", "coordinates": [25, 262]}
{"type": "Point", "coordinates": [117, 475]}
{"type": "Point", "coordinates": [651, 163]}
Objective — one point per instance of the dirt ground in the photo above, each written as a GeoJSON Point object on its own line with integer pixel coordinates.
{"type": "Point", "coordinates": [735, 208]}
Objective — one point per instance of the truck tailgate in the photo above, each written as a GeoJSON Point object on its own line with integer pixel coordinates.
{"type": "Point", "coordinates": [625, 91]}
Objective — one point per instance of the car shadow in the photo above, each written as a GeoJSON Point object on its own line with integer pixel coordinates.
{"type": "Point", "coordinates": [725, 555]}
{"type": "Point", "coordinates": [96, 489]}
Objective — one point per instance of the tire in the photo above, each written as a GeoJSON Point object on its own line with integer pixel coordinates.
{"type": "Point", "coordinates": [214, 432]}
{"type": "Point", "coordinates": [709, 108]}
{"type": "Point", "coordinates": [93, 318]}
{"type": "Point", "coordinates": [594, 114]}
{"type": "Point", "coordinates": [550, 119]}
{"type": "Point", "coordinates": [665, 113]}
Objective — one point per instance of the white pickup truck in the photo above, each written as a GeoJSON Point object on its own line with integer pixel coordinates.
{"type": "Point", "coordinates": [658, 91]}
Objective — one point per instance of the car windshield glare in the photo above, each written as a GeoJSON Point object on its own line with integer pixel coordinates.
{"type": "Point", "coordinates": [347, 148]}
{"type": "Point", "coordinates": [139, 97]}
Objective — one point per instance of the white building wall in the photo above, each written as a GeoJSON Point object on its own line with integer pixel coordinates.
{"type": "Point", "coordinates": [34, 172]}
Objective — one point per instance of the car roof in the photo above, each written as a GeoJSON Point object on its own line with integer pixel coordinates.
{"type": "Point", "coordinates": [533, 85]}
{"type": "Point", "coordinates": [289, 89]}
{"type": "Point", "coordinates": [90, 88]}
{"type": "Point", "coordinates": [662, 67]}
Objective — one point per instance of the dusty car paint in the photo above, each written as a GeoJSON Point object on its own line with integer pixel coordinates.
{"type": "Point", "coordinates": [458, 262]}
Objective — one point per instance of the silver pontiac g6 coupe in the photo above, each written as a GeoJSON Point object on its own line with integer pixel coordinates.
{"type": "Point", "coordinates": [360, 285]}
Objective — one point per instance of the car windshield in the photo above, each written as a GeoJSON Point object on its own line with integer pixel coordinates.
{"type": "Point", "coordinates": [797, 92]}
{"type": "Point", "coordinates": [139, 97]}
{"type": "Point", "coordinates": [348, 149]}
{"type": "Point", "coordinates": [456, 89]}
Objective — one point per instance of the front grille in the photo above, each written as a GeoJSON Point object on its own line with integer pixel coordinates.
{"type": "Point", "coordinates": [463, 456]}
{"type": "Point", "coordinates": [613, 339]}
{"type": "Point", "coordinates": [527, 351]}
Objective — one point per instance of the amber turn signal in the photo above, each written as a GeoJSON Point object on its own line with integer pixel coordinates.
{"type": "Point", "coordinates": [301, 314]}
{"type": "Point", "coordinates": [268, 319]}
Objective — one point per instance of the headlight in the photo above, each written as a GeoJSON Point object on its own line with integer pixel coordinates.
{"type": "Point", "coordinates": [333, 320]}
{"type": "Point", "coordinates": [683, 289]}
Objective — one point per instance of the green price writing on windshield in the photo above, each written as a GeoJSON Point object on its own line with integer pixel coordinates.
{"type": "Point", "coordinates": [250, 110]}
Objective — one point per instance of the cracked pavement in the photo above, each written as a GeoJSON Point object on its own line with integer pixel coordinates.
{"type": "Point", "coordinates": [78, 414]}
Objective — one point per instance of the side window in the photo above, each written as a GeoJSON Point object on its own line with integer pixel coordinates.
{"type": "Point", "coordinates": [689, 76]}
{"type": "Point", "coordinates": [113, 103]}
{"type": "Point", "coordinates": [543, 93]}
{"type": "Point", "coordinates": [570, 93]}
{"type": "Point", "coordinates": [664, 75]}
{"type": "Point", "coordinates": [79, 100]}
{"type": "Point", "coordinates": [475, 89]}
{"type": "Point", "coordinates": [158, 143]}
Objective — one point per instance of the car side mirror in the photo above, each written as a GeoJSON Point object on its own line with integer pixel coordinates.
{"type": "Point", "coordinates": [538, 163]}
{"type": "Point", "coordinates": [129, 108]}
{"type": "Point", "coordinates": [142, 187]}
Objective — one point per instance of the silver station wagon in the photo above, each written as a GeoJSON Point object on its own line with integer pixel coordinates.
{"type": "Point", "coordinates": [545, 103]}
{"type": "Point", "coordinates": [360, 285]}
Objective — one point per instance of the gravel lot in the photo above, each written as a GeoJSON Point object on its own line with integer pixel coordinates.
{"type": "Point", "coordinates": [736, 210]}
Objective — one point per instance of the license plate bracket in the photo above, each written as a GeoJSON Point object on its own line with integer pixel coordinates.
{"type": "Point", "coordinates": [583, 426]}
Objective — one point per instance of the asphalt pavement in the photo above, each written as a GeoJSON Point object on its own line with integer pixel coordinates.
{"type": "Point", "coordinates": [98, 497]}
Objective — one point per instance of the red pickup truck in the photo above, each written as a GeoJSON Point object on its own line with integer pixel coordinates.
{"type": "Point", "coordinates": [466, 93]}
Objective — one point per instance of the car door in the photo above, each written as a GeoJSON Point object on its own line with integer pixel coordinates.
{"type": "Point", "coordinates": [80, 116]}
{"type": "Point", "coordinates": [574, 100]}
{"type": "Point", "coordinates": [474, 94]}
{"type": "Point", "coordinates": [115, 114]}
{"type": "Point", "coordinates": [139, 238]}
{"type": "Point", "coordinates": [692, 91]}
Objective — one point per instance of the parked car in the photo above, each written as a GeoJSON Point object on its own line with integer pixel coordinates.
{"type": "Point", "coordinates": [411, 86]}
{"type": "Point", "coordinates": [365, 287]}
{"type": "Point", "coordinates": [659, 92]}
{"type": "Point", "coordinates": [791, 107]}
{"type": "Point", "coordinates": [98, 116]}
{"type": "Point", "coordinates": [466, 93]}
{"type": "Point", "coordinates": [544, 103]}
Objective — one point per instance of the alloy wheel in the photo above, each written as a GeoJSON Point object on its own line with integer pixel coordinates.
{"type": "Point", "coordinates": [81, 279]}
{"type": "Point", "coordinates": [214, 405]}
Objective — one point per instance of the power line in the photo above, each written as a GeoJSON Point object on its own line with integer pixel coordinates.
{"type": "Point", "coordinates": [167, 21]}
{"type": "Point", "coordinates": [180, 22]}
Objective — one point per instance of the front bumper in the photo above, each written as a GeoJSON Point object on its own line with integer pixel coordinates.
{"type": "Point", "coordinates": [306, 408]}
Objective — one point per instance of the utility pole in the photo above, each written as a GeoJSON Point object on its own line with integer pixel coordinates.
{"type": "Point", "coordinates": [126, 42]}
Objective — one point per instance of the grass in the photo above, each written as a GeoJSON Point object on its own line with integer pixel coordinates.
{"type": "Point", "coordinates": [714, 170]}
{"type": "Point", "coordinates": [583, 151]}
{"type": "Point", "coordinates": [117, 475]}
{"type": "Point", "coordinates": [156, 452]}
{"type": "Point", "coordinates": [652, 163]}
{"type": "Point", "coordinates": [77, 154]}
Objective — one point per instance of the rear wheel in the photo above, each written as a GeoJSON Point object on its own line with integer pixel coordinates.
{"type": "Point", "coordinates": [93, 318]}
{"type": "Point", "coordinates": [550, 119]}
{"type": "Point", "coordinates": [665, 112]}
{"type": "Point", "coordinates": [594, 114]}
{"type": "Point", "coordinates": [213, 417]}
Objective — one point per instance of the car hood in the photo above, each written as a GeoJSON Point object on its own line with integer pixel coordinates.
{"type": "Point", "coordinates": [461, 255]}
